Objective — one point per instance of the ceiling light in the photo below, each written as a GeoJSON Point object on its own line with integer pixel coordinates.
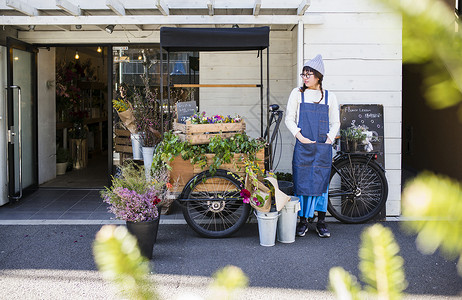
{"type": "Point", "coordinates": [76, 54]}
{"type": "Point", "coordinates": [235, 26]}
{"type": "Point", "coordinates": [31, 27]}
{"type": "Point", "coordinates": [99, 50]}
{"type": "Point", "coordinates": [78, 27]}
{"type": "Point", "coordinates": [109, 28]}
{"type": "Point", "coordinates": [140, 57]}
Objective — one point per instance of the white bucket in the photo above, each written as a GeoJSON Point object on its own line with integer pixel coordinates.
{"type": "Point", "coordinates": [287, 223]}
{"type": "Point", "coordinates": [136, 146]}
{"type": "Point", "coordinates": [267, 223]}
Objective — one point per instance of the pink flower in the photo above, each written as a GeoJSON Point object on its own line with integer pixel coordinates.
{"type": "Point", "coordinates": [245, 194]}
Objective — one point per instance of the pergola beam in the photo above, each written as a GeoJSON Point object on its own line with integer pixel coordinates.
{"type": "Point", "coordinates": [69, 7]}
{"type": "Point", "coordinates": [162, 7]}
{"type": "Point", "coordinates": [303, 7]}
{"type": "Point", "coordinates": [160, 20]}
{"type": "Point", "coordinates": [116, 7]}
{"type": "Point", "coordinates": [210, 6]}
{"type": "Point", "coordinates": [22, 7]}
{"type": "Point", "coordinates": [256, 7]}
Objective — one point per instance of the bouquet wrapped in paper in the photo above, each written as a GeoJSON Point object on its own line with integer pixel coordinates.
{"type": "Point", "coordinates": [125, 111]}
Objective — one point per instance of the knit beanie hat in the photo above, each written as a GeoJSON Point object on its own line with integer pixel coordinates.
{"type": "Point", "coordinates": [316, 63]}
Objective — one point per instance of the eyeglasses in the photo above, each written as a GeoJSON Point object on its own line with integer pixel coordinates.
{"type": "Point", "coordinates": [307, 75]}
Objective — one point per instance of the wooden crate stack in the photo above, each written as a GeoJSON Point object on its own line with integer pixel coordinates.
{"type": "Point", "coordinates": [202, 133]}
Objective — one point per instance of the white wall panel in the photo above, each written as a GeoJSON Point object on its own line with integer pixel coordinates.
{"type": "Point", "coordinates": [354, 51]}
{"type": "Point", "coordinates": [369, 97]}
{"type": "Point", "coordinates": [46, 116]}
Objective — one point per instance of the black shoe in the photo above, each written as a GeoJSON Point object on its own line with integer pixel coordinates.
{"type": "Point", "coordinates": [302, 228]}
{"type": "Point", "coordinates": [322, 231]}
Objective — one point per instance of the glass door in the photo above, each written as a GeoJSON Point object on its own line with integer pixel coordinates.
{"type": "Point", "coordinates": [22, 113]}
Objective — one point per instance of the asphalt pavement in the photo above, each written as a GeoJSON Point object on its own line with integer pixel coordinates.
{"type": "Point", "coordinates": [56, 262]}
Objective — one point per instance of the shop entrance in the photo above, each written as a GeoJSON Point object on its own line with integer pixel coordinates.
{"type": "Point", "coordinates": [81, 84]}
{"type": "Point", "coordinates": [91, 139]}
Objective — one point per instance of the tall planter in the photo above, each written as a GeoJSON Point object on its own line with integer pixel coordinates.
{"type": "Point", "coordinates": [79, 153]}
{"type": "Point", "coordinates": [136, 146]}
{"type": "Point", "coordinates": [146, 235]}
{"type": "Point", "coordinates": [148, 153]}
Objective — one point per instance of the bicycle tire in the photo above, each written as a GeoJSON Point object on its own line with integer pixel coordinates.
{"type": "Point", "coordinates": [219, 210]}
{"type": "Point", "coordinates": [358, 190]}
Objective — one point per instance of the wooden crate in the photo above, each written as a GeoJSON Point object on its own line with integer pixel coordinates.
{"type": "Point", "coordinates": [183, 171]}
{"type": "Point", "coordinates": [202, 133]}
{"type": "Point", "coordinates": [123, 144]}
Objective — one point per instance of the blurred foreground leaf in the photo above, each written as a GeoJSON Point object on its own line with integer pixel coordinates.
{"type": "Point", "coordinates": [227, 281]}
{"type": "Point", "coordinates": [430, 38]}
{"type": "Point", "coordinates": [119, 259]}
{"type": "Point", "coordinates": [343, 284]}
{"type": "Point", "coordinates": [435, 202]}
{"type": "Point", "coordinates": [380, 265]}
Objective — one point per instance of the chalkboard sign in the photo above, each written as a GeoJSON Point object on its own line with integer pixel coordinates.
{"type": "Point", "coordinates": [185, 110]}
{"type": "Point", "coordinates": [369, 115]}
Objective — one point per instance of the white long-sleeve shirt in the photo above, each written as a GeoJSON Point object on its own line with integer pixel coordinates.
{"type": "Point", "coordinates": [312, 96]}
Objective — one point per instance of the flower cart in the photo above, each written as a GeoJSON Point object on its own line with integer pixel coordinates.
{"type": "Point", "coordinates": [210, 192]}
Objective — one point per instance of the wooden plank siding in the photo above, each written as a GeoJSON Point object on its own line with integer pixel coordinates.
{"type": "Point", "coordinates": [361, 45]}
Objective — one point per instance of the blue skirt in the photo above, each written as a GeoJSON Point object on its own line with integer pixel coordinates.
{"type": "Point", "coordinates": [308, 204]}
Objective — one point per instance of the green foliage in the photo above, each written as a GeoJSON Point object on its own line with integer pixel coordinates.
{"type": "Point", "coordinates": [354, 133]}
{"type": "Point", "coordinates": [380, 265]}
{"type": "Point", "coordinates": [435, 203]}
{"type": "Point", "coordinates": [430, 38]}
{"type": "Point", "coordinates": [227, 281]}
{"type": "Point", "coordinates": [119, 260]}
{"type": "Point", "coordinates": [62, 155]}
{"type": "Point", "coordinates": [343, 284]}
{"type": "Point", "coordinates": [223, 148]}
{"type": "Point", "coordinates": [133, 178]}
{"type": "Point", "coordinates": [284, 176]}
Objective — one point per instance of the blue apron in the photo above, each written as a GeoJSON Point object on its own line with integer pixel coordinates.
{"type": "Point", "coordinates": [311, 163]}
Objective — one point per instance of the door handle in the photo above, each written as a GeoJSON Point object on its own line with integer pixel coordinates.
{"type": "Point", "coordinates": [11, 135]}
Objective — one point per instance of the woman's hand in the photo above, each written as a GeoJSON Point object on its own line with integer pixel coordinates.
{"type": "Point", "coordinates": [328, 141]}
{"type": "Point", "coordinates": [303, 139]}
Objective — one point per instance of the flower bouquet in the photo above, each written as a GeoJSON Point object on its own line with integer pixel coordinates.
{"type": "Point", "coordinates": [124, 110]}
{"type": "Point", "coordinates": [257, 193]}
{"type": "Point", "coordinates": [132, 198]}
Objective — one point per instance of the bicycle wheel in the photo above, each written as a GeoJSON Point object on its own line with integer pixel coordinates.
{"type": "Point", "coordinates": [358, 190]}
{"type": "Point", "coordinates": [213, 206]}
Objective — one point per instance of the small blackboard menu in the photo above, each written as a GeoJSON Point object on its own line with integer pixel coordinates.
{"type": "Point", "coordinates": [369, 115]}
{"type": "Point", "coordinates": [185, 110]}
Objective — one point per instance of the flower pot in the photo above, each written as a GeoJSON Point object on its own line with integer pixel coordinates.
{"type": "Point", "coordinates": [287, 222]}
{"type": "Point", "coordinates": [136, 146]}
{"type": "Point", "coordinates": [351, 146]}
{"type": "Point", "coordinates": [146, 235]}
{"type": "Point", "coordinates": [61, 168]}
{"type": "Point", "coordinates": [267, 225]}
{"type": "Point", "coordinates": [148, 153]}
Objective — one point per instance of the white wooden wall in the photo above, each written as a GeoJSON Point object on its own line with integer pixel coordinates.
{"type": "Point", "coordinates": [361, 44]}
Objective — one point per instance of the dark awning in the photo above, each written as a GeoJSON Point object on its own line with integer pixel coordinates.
{"type": "Point", "coordinates": [214, 39]}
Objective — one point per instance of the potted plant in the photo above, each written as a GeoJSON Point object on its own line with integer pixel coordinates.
{"type": "Point", "coordinates": [62, 160]}
{"type": "Point", "coordinates": [135, 200]}
{"type": "Point", "coordinates": [353, 136]}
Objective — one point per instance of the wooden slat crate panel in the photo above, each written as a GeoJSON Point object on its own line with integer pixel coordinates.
{"type": "Point", "coordinates": [183, 171]}
{"type": "Point", "coordinates": [202, 133]}
{"type": "Point", "coordinates": [122, 132]}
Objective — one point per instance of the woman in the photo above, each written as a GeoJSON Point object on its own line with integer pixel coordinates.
{"type": "Point", "coordinates": [313, 118]}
